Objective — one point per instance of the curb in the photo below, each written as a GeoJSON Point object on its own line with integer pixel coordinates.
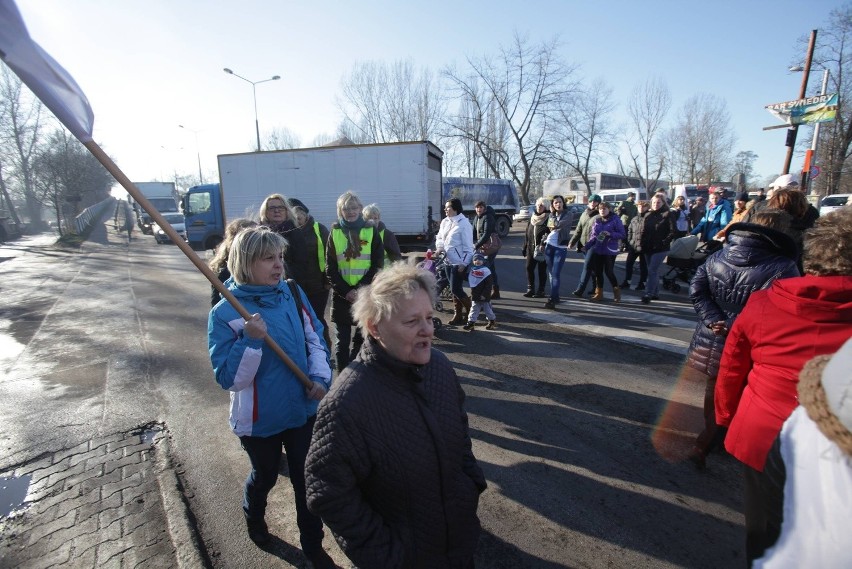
{"type": "Point", "coordinates": [182, 531]}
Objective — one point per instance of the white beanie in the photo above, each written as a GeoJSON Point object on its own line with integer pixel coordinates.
{"type": "Point", "coordinates": [785, 181]}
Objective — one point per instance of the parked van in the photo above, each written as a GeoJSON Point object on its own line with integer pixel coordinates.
{"type": "Point", "coordinates": [833, 202]}
{"type": "Point", "coordinates": [618, 196]}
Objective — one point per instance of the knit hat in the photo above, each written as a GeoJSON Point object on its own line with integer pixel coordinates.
{"type": "Point", "coordinates": [294, 203]}
{"type": "Point", "coordinates": [480, 257]}
{"type": "Point", "coordinates": [825, 391]}
{"type": "Point", "coordinates": [742, 197]}
{"type": "Point", "coordinates": [595, 198]}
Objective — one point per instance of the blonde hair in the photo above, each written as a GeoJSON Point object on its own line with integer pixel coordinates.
{"type": "Point", "coordinates": [345, 199]}
{"type": "Point", "coordinates": [220, 257]}
{"type": "Point", "coordinates": [828, 245]}
{"type": "Point", "coordinates": [371, 211]}
{"type": "Point", "coordinates": [264, 219]}
{"type": "Point", "coordinates": [250, 245]}
{"type": "Point", "coordinates": [381, 299]}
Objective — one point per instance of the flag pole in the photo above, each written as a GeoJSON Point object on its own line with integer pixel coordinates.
{"type": "Point", "coordinates": [131, 188]}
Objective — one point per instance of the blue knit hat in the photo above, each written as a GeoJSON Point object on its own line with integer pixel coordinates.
{"type": "Point", "coordinates": [480, 256]}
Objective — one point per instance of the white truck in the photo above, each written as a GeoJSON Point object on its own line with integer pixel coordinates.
{"type": "Point", "coordinates": [403, 178]}
{"type": "Point", "coordinates": [162, 196]}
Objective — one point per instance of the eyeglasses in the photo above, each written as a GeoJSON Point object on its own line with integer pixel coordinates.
{"type": "Point", "coordinates": [276, 208]}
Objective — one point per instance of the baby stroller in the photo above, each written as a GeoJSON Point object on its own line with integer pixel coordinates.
{"type": "Point", "coordinates": [684, 258]}
{"type": "Point", "coordinates": [435, 264]}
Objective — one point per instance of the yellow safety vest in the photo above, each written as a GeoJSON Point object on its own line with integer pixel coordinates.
{"type": "Point", "coordinates": [387, 256]}
{"type": "Point", "coordinates": [353, 270]}
{"type": "Point", "coordinates": [320, 247]}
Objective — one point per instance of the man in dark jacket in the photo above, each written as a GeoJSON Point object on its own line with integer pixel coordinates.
{"type": "Point", "coordinates": [484, 224]}
{"type": "Point", "coordinates": [580, 237]}
{"type": "Point", "coordinates": [312, 277]}
{"type": "Point", "coordinates": [658, 230]}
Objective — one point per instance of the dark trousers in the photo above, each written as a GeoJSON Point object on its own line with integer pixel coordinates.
{"type": "Point", "coordinates": [603, 264]}
{"type": "Point", "coordinates": [456, 279]}
{"type": "Point", "coordinates": [632, 255]}
{"type": "Point", "coordinates": [493, 267]}
{"type": "Point", "coordinates": [713, 435]}
{"type": "Point", "coordinates": [265, 456]}
{"type": "Point", "coordinates": [585, 274]}
{"type": "Point", "coordinates": [346, 347]}
{"type": "Point", "coordinates": [534, 267]}
{"type": "Point", "coordinates": [319, 301]}
{"type": "Point", "coordinates": [764, 510]}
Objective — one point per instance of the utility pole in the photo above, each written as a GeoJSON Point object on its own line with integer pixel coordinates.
{"type": "Point", "coordinates": [794, 130]}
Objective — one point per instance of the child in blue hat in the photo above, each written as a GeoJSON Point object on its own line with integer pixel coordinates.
{"type": "Point", "coordinates": [480, 280]}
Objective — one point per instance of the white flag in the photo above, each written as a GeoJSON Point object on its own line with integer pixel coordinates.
{"type": "Point", "coordinates": [40, 72]}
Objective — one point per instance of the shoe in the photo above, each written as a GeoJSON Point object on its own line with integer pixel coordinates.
{"type": "Point", "coordinates": [616, 294]}
{"type": "Point", "coordinates": [655, 297]}
{"type": "Point", "coordinates": [640, 286]}
{"type": "Point", "coordinates": [469, 326]}
{"type": "Point", "coordinates": [625, 285]}
{"type": "Point", "coordinates": [492, 324]}
{"type": "Point", "coordinates": [578, 293]}
{"type": "Point", "coordinates": [646, 299]}
{"type": "Point", "coordinates": [550, 304]}
{"type": "Point", "coordinates": [258, 531]}
{"type": "Point", "coordinates": [321, 560]}
{"type": "Point", "coordinates": [539, 294]}
{"type": "Point", "coordinates": [528, 294]}
{"type": "Point", "coordinates": [598, 296]}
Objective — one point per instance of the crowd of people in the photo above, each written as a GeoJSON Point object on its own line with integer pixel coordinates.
{"type": "Point", "coordinates": [779, 293]}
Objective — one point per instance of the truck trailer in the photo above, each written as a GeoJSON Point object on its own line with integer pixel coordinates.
{"type": "Point", "coordinates": [162, 196]}
{"type": "Point", "coordinates": [403, 178]}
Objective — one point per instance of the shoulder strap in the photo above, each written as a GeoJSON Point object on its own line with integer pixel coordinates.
{"type": "Point", "coordinates": [297, 297]}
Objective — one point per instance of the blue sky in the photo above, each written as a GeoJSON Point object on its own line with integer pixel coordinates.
{"type": "Point", "coordinates": [149, 66]}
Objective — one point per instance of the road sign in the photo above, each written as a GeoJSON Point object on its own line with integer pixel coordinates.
{"type": "Point", "coordinates": [815, 172]}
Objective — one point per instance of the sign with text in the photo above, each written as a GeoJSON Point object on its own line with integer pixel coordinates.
{"type": "Point", "coordinates": [821, 108]}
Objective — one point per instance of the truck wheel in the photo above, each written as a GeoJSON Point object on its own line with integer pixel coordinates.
{"type": "Point", "coordinates": [502, 226]}
{"type": "Point", "coordinates": [212, 242]}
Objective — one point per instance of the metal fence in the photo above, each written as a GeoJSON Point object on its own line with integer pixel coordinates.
{"type": "Point", "coordinates": [92, 215]}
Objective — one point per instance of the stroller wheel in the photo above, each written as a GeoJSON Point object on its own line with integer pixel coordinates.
{"type": "Point", "coordinates": [436, 323]}
{"type": "Point", "coordinates": [675, 287]}
{"type": "Point", "coordinates": [667, 284]}
{"type": "Point", "coordinates": [439, 306]}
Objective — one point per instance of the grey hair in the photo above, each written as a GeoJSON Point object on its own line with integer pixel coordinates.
{"type": "Point", "coordinates": [543, 201]}
{"type": "Point", "coordinates": [249, 245]}
{"type": "Point", "coordinates": [345, 199]}
{"type": "Point", "coordinates": [379, 300]}
{"type": "Point", "coordinates": [263, 207]}
{"type": "Point", "coordinates": [371, 211]}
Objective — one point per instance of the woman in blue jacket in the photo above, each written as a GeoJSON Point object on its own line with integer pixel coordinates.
{"type": "Point", "coordinates": [270, 407]}
{"type": "Point", "coordinates": [717, 217]}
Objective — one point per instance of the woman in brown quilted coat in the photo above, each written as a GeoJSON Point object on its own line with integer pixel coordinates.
{"type": "Point", "coordinates": [390, 469]}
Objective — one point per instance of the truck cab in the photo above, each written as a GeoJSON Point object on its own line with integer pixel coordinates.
{"type": "Point", "coordinates": [500, 195]}
{"type": "Point", "coordinates": [205, 220]}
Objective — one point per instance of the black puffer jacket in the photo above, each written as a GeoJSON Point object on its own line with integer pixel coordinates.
{"type": "Point", "coordinates": [752, 258]}
{"type": "Point", "coordinates": [483, 226]}
{"type": "Point", "coordinates": [390, 469]}
{"type": "Point", "coordinates": [658, 230]}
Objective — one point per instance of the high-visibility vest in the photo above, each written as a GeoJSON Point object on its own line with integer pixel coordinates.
{"type": "Point", "coordinates": [320, 247]}
{"type": "Point", "coordinates": [353, 270]}
{"type": "Point", "coordinates": [387, 256]}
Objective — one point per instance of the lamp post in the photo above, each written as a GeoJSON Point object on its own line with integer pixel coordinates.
{"type": "Point", "coordinates": [254, 94]}
{"type": "Point", "coordinates": [197, 152]}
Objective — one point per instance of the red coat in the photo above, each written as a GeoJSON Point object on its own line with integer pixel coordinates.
{"type": "Point", "coordinates": [777, 332]}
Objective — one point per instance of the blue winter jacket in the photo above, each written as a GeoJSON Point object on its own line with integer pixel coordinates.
{"type": "Point", "coordinates": [753, 257]}
{"type": "Point", "coordinates": [266, 396]}
{"type": "Point", "coordinates": [714, 219]}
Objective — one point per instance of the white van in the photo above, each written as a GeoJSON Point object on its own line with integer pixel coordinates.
{"type": "Point", "coordinates": [618, 196]}
{"type": "Point", "coordinates": [833, 202]}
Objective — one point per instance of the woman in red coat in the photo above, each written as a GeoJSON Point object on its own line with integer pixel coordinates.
{"type": "Point", "coordinates": [779, 330]}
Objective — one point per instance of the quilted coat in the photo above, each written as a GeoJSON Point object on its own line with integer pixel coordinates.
{"type": "Point", "coordinates": [779, 330]}
{"type": "Point", "coordinates": [390, 469]}
{"type": "Point", "coordinates": [753, 257]}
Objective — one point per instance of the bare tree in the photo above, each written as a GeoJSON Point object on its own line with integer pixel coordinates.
{"type": "Point", "coordinates": [647, 108]}
{"type": "Point", "coordinates": [583, 131]}
{"type": "Point", "coordinates": [744, 165]}
{"type": "Point", "coordinates": [390, 103]}
{"type": "Point", "coordinates": [280, 138]}
{"type": "Point", "coordinates": [834, 52]}
{"type": "Point", "coordinates": [20, 134]}
{"type": "Point", "coordinates": [699, 144]}
{"type": "Point", "coordinates": [505, 104]}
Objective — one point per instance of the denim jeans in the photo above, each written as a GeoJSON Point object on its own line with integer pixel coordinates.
{"type": "Point", "coordinates": [654, 260]}
{"type": "Point", "coordinates": [586, 273]}
{"type": "Point", "coordinates": [555, 257]}
{"type": "Point", "coordinates": [265, 456]}
{"type": "Point", "coordinates": [456, 279]}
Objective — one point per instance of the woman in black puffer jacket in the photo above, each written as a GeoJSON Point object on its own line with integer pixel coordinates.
{"type": "Point", "coordinates": [756, 254]}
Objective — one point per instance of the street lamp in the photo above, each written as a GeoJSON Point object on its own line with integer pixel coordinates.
{"type": "Point", "coordinates": [810, 155]}
{"type": "Point", "coordinates": [254, 93]}
{"type": "Point", "coordinates": [197, 152]}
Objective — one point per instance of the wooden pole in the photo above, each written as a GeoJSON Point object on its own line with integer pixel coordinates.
{"type": "Point", "coordinates": [794, 130]}
{"type": "Point", "coordinates": [116, 172]}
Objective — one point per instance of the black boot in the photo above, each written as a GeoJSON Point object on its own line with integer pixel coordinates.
{"type": "Point", "coordinates": [625, 285]}
{"type": "Point", "coordinates": [529, 293]}
{"type": "Point", "coordinates": [258, 531]}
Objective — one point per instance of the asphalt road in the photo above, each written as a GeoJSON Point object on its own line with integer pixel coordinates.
{"type": "Point", "coordinates": [581, 436]}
